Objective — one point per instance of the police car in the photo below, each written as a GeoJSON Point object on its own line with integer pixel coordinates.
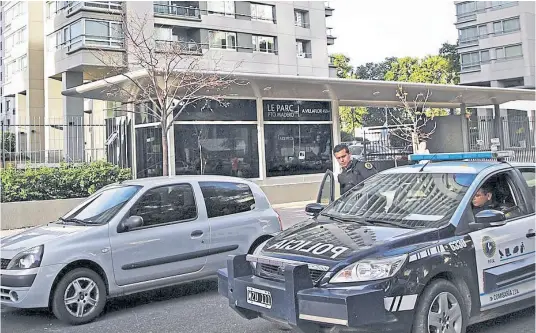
{"type": "Point", "coordinates": [418, 248]}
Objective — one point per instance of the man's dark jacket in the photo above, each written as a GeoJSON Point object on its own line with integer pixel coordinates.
{"type": "Point", "coordinates": [356, 172]}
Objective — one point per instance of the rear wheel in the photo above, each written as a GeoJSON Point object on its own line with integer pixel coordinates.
{"type": "Point", "coordinates": [440, 309]}
{"type": "Point", "coordinates": [79, 297]}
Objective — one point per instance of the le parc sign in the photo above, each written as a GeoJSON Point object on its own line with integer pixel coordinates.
{"type": "Point", "coordinates": [297, 110]}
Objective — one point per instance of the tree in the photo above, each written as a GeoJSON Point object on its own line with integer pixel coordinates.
{"type": "Point", "coordinates": [351, 118]}
{"type": "Point", "coordinates": [450, 52]}
{"type": "Point", "coordinates": [342, 63]}
{"type": "Point", "coordinates": [414, 125]}
{"type": "Point", "coordinates": [430, 69]}
{"type": "Point", "coordinates": [173, 75]}
{"type": "Point", "coordinates": [374, 71]}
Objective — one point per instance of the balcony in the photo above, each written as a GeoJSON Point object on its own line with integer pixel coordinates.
{"type": "Point", "coordinates": [329, 9]}
{"type": "Point", "coordinates": [73, 7]}
{"type": "Point", "coordinates": [180, 40]}
{"type": "Point", "coordinates": [330, 37]}
{"type": "Point", "coordinates": [183, 9]}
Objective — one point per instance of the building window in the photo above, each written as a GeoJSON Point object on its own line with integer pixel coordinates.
{"type": "Point", "coordinates": [483, 31]}
{"type": "Point", "coordinates": [297, 149]}
{"type": "Point", "coordinates": [502, 4]}
{"type": "Point", "coordinates": [15, 11]}
{"type": "Point", "coordinates": [222, 40]}
{"type": "Point", "coordinates": [223, 198]}
{"type": "Point", "coordinates": [484, 56]}
{"type": "Point", "coordinates": [468, 35]}
{"type": "Point", "coordinates": [16, 38]}
{"type": "Point", "coordinates": [226, 8]}
{"type": "Point", "coordinates": [465, 8]}
{"type": "Point", "coordinates": [506, 26]}
{"type": "Point", "coordinates": [87, 33]}
{"type": "Point", "coordinates": [470, 60]}
{"type": "Point", "coordinates": [262, 12]}
{"type": "Point", "coordinates": [264, 44]}
{"type": "Point", "coordinates": [303, 48]}
{"type": "Point", "coordinates": [301, 18]}
{"type": "Point", "coordinates": [16, 66]}
{"type": "Point", "coordinates": [509, 52]}
{"type": "Point", "coordinates": [223, 149]}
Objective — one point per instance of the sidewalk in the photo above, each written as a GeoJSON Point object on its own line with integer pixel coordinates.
{"type": "Point", "coordinates": [289, 205]}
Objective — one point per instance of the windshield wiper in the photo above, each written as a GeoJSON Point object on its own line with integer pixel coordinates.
{"type": "Point", "coordinates": [392, 223]}
{"type": "Point", "coordinates": [74, 220]}
{"type": "Point", "coordinates": [347, 219]}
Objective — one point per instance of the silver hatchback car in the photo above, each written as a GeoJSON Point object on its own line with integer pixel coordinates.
{"type": "Point", "coordinates": [131, 237]}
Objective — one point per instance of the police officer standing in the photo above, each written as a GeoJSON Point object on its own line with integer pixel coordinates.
{"type": "Point", "coordinates": [353, 170]}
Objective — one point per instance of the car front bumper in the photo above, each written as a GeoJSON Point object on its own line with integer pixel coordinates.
{"type": "Point", "coordinates": [296, 303]}
{"type": "Point", "coordinates": [28, 288]}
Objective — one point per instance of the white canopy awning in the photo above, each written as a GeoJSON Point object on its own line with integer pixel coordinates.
{"type": "Point", "coordinates": [347, 92]}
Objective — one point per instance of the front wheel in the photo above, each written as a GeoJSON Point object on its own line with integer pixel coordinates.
{"type": "Point", "coordinates": [440, 309]}
{"type": "Point", "coordinates": [79, 297]}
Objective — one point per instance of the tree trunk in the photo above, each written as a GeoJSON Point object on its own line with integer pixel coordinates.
{"type": "Point", "coordinates": [165, 156]}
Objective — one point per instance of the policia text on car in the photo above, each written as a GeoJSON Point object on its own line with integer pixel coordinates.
{"type": "Point", "coordinates": [353, 171]}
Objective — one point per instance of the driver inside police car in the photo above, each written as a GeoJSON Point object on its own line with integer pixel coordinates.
{"type": "Point", "coordinates": [353, 171]}
{"type": "Point", "coordinates": [483, 199]}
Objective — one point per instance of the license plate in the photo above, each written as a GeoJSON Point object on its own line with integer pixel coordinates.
{"type": "Point", "coordinates": [259, 297]}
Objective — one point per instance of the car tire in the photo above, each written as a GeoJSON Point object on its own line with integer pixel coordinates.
{"type": "Point", "coordinates": [79, 297]}
{"type": "Point", "coordinates": [440, 305]}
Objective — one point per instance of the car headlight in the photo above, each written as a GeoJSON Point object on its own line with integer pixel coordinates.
{"type": "Point", "coordinates": [370, 270]}
{"type": "Point", "coordinates": [30, 258]}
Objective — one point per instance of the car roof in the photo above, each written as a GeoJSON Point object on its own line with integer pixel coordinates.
{"type": "Point", "coordinates": [163, 180]}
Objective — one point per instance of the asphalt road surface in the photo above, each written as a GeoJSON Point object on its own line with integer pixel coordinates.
{"type": "Point", "coordinates": [195, 308]}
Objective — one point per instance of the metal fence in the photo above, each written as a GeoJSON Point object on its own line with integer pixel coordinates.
{"type": "Point", "coordinates": [73, 140]}
{"type": "Point", "coordinates": [514, 133]}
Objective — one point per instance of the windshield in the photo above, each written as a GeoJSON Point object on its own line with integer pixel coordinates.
{"type": "Point", "coordinates": [101, 208]}
{"type": "Point", "coordinates": [412, 200]}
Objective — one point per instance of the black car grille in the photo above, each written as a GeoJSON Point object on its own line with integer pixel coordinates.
{"type": "Point", "coordinates": [4, 263]}
{"type": "Point", "coordinates": [275, 273]}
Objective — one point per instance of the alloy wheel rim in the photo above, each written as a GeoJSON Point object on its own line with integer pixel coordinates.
{"type": "Point", "coordinates": [445, 314]}
{"type": "Point", "coordinates": [81, 297]}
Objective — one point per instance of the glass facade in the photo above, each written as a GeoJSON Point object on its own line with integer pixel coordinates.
{"type": "Point", "coordinates": [215, 138]}
{"type": "Point", "coordinates": [297, 149]}
{"type": "Point", "coordinates": [148, 152]}
{"type": "Point", "coordinates": [226, 150]}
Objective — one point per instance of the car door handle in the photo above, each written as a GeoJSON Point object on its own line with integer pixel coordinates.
{"type": "Point", "coordinates": [530, 233]}
{"type": "Point", "coordinates": [196, 233]}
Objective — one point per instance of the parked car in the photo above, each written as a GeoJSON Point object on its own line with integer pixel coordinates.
{"type": "Point", "coordinates": [411, 249]}
{"type": "Point", "coordinates": [134, 236]}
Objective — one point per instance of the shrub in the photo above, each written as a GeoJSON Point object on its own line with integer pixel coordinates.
{"type": "Point", "coordinates": [63, 182]}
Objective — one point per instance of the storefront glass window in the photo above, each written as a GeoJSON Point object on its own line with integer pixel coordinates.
{"type": "Point", "coordinates": [228, 150]}
{"type": "Point", "coordinates": [148, 152]}
{"type": "Point", "coordinates": [297, 149]}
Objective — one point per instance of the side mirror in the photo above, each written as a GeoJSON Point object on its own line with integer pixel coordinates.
{"type": "Point", "coordinates": [131, 223]}
{"type": "Point", "coordinates": [314, 209]}
{"type": "Point", "coordinates": [489, 218]}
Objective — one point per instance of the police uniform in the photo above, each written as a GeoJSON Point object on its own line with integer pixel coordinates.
{"type": "Point", "coordinates": [356, 172]}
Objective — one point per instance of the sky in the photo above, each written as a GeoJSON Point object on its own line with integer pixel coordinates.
{"type": "Point", "coordinates": [371, 30]}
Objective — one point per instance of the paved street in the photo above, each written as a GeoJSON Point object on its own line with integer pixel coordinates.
{"type": "Point", "coordinates": [195, 308]}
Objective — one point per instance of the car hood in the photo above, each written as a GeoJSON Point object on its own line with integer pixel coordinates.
{"type": "Point", "coordinates": [11, 245]}
{"type": "Point", "coordinates": [333, 241]}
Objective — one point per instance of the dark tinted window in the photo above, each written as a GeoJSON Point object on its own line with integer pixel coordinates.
{"type": "Point", "coordinates": [166, 204]}
{"type": "Point", "coordinates": [223, 198]}
{"type": "Point", "coordinates": [297, 149]}
{"type": "Point", "coordinates": [230, 109]}
{"type": "Point", "coordinates": [226, 150]}
{"type": "Point", "coordinates": [149, 152]}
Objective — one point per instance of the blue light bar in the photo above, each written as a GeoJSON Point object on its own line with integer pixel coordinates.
{"type": "Point", "coordinates": [481, 155]}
